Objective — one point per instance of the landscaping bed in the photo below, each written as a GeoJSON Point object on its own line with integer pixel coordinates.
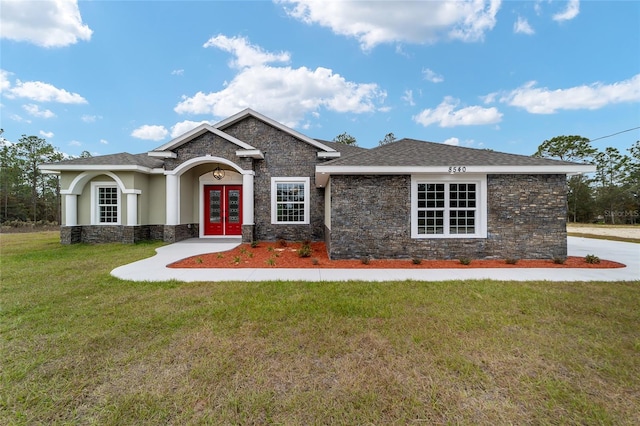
{"type": "Point", "coordinates": [286, 255]}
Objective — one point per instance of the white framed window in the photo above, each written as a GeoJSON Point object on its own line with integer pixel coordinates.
{"type": "Point", "coordinates": [448, 206]}
{"type": "Point", "coordinates": [106, 205]}
{"type": "Point", "coordinates": [290, 200]}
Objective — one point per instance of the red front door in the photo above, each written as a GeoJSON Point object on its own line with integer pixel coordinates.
{"type": "Point", "coordinates": [222, 210]}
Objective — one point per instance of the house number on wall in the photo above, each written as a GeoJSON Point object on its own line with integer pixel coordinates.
{"type": "Point", "coordinates": [457, 169]}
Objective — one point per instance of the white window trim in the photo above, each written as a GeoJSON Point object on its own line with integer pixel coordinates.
{"type": "Point", "coordinates": [481, 206]}
{"type": "Point", "coordinates": [274, 195]}
{"type": "Point", "coordinates": [95, 212]}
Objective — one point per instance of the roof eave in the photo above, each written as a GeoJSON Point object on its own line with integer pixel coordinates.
{"type": "Point", "coordinates": [52, 168]}
{"type": "Point", "coordinates": [324, 171]}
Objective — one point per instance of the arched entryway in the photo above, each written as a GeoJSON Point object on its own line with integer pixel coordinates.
{"type": "Point", "coordinates": [221, 206]}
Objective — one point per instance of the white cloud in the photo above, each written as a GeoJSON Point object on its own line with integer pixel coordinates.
{"type": "Point", "coordinates": [452, 141]}
{"type": "Point", "coordinates": [75, 143]}
{"type": "Point", "coordinates": [147, 132]}
{"type": "Point", "coordinates": [19, 119]}
{"type": "Point", "coordinates": [408, 97]}
{"type": "Point", "coordinates": [54, 23]}
{"type": "Point", "coordinates": [104, 142]}
{"type": "Point", "coordinates": [597, 95]}
{"type": "Point", "coordinates": [4, 80]}
{"type": "Point", "coordinates": [184, 126]}
{"type": "Point", "coordinates": [445, 115]}
{"type": "Point", "coordinates": [44, 134]}
{"type": "Point", "coordinates": [246, 54]}
{"type": "Point", "coordinates": [35, 111]}
{"type": "Point", "coordinates": [284, 93]}
{"type": "Point", "coordinates": [521, 26]}
{"type": "Point", "coordinates": [90, 118]}
{"type": "Point", "coordinates": [43, 92]}
{"type": "Point", "coordinates": [572, 10]}
{"type": "Point", "coordinates": [177, 72]}
{"type": "Point", "coordinates": [377, 22]}
{"type": "Point", "coordinates": [431, 76]}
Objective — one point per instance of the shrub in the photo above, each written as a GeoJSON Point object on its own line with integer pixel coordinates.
{"type": "Point", "coordinates": [559, 260]}
{"type": "Point", "coordinates": [416, 261]}
{"type": "Point", "coordinates": [270, 261]}
{"type": "Point", "coordinates": [305, 251]}
{"type": "Point", "coordinates": [365, 260]}
{"type": "Point", "coordinates": [270, 248]}
{"type": "Point", "coordinates": [199, 260]}
{"type": "Point", "coordinates": [282, 242]}
{"type": "Point", "coordinates": [592, 258]}
{"type": "Point", "coordinates": [315, 261]}
{"type": "Point", "coordinates": [243, 250]}
{"type": "Point", "coordinates": [254, 244]}
{"type": "Point", "coordinates": [236, 259]}
{"type": "Point", "coordinates": [220, 256]}
{"type": "Point", "coordinates": [511, 261]}
{"type": "Point", "coordinates": [465, 260]}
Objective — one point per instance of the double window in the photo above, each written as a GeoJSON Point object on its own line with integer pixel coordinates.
{"type": "Point", "coordinates": [448, 208]}
{"type": "Point", "coordinates": [105, 204]}
{"type": "Point", "coordinates": [290, 200]}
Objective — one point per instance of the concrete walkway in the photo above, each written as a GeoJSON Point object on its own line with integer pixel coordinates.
{"type": "Point", "coordinates": [154, 268]}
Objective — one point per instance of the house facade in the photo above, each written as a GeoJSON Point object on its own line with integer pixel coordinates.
{"type": "Point", "coordinates": [252, 178]}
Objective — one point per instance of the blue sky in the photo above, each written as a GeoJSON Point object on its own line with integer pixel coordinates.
{"type": "Point", "coordinates": [109, 77]}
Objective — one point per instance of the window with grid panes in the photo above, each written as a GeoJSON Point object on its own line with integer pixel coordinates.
{"type": "Point", "coordinates": [290, 200]}
{"type": "Point", "coordinates": [107, 204]}
{"type": "Point", "coordinates": [446, 208]}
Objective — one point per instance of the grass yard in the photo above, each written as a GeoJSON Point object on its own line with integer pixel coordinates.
{"type": "Point", "coordinates": [81, 347]}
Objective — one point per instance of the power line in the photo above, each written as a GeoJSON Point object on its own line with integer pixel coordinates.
{"type": "Point", "coordinates": [608, 136]}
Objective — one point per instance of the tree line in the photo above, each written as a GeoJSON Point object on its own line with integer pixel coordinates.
{"type": "Point", "coordinates": [611, 195]}
{"type": "Point", "coordinates": [26, 193]}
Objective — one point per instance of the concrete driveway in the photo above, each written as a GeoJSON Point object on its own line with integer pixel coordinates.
{"type": "Point", "coordinates": [154, 268]}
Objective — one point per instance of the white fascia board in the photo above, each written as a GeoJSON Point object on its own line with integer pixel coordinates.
{"type": "Point", "coordinates": [249, 112]}
{"type": "Point", "coordinates": [197, 131]}
{"type": "Point", "coordinates": [162, 154]}
{"type": "Point", "coordinates": [252, 153]}
{"type": "Point", "coordinates": [332, 154]}
{"type": "Point", "coordinates": [107, 168]}
{"type": "Point", "coordinates": [49, 172]}
{"type": "Point", "coordinates": [323, 172]}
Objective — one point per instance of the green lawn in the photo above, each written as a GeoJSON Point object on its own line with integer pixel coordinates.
{"type": "Point", "coordinates": [81, 347]}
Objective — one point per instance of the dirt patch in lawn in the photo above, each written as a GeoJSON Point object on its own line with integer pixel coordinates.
{"type": "Point", "coordinates": [276, 255]}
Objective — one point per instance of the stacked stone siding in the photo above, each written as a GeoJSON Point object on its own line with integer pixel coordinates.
{"type": "Point", "coordinates": [95, 234]}
{"type": "Point", "coordinates": [285, 156]}
{"type": "Point", "coordinates": [371, 216]}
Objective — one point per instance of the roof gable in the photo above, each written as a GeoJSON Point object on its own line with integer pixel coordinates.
{"type": "Point", "coordinates": [194, 133]}
{"type": "Point", "coordinates": [326, 151]}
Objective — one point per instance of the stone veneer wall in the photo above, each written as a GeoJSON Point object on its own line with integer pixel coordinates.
{"type": "Point", "coordinates": [175, 233]}
{"type": "Point", "coordinates": [371, 216]}
{"type": "Point", "coordinates": [94, 234]}
{"type": "Point", "coordinates": [285, 156]}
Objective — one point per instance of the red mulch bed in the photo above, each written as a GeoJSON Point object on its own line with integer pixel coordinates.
{"type": "Point", "coordinates": [275, 255]}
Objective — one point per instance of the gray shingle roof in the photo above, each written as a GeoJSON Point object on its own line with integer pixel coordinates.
{"type": "Point", "coordinates": [415, 153]}
{"type": "Point", "coordinates": [120, 159]}
{"type": "Point", "coordinates": [344, 150]}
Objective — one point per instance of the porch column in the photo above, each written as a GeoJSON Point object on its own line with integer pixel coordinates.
{"type": "Point", "coordinates": [247, 198]}
{"type": "Point", "coordinates": [132, 209]}
{"type": "Point", "coordinates": [173, 198]}
{"type": "Point", "coordinates": [70, 210]}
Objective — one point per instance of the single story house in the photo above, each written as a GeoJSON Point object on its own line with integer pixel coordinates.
{"type": "Point", "coordinates": [253, 178]}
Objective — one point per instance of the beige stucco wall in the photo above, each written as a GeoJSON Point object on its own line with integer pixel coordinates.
{"type": "Point", "coordinates": [151, 200]}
